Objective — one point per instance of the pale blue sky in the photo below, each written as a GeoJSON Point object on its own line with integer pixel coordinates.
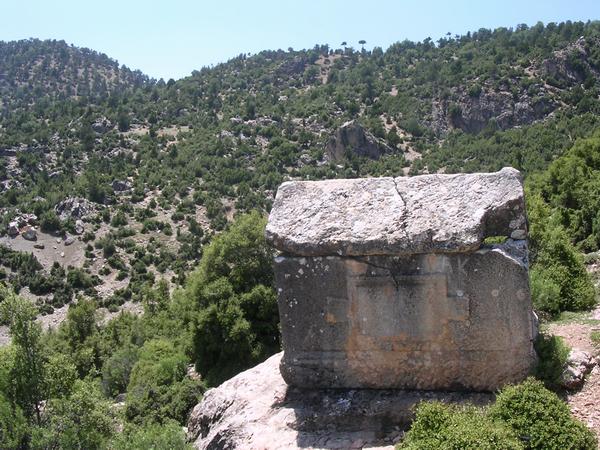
{"type": "Point", "coordinates": [169, 39]}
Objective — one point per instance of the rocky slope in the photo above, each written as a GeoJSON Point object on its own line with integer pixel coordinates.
{"type": "Point", "coordinates": [165, 165]}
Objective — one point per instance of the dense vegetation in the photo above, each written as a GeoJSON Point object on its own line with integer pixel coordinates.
{"type": "Point", "coordinates": [526, 416]}
{"type": "Point", "coordinates": [173, 180]}
{"type": "Point", "coordinates": [224, 320]}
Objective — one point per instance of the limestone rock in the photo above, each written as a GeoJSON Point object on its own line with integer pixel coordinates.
{"type": "Point", "coordinates": [292, 67]}
{"type": "Point", "coordinates": [560, 67]}
{"type": "Point", "coordinates": [121, 185]}
{"type": "Point", "coordinates": [79, 226]}
{"type": "Point", "coordinates": [473, 114]}
{"type": "Point", "coordinates": [74, 207]}
{"type": "Point", "coordinates": [579, 364]}
{"type": "Point", "coordinates": [29, 233]}
{"type": "Point", "coordinates": [393, 216]}
{"type": "Point", "coordinates": [102, 125]}
{"type": "Point", "coordinates": [13, 228]}
{"type": "Point", "coordinates": [21, 220]}
{"type": "Point", "coordinates": [352, 137]}
{"type": "Point", "coordinates": [257, 410]}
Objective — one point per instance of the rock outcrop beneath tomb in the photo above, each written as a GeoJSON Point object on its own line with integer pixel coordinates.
{"type": "Point", "coordinates": [258, 410]}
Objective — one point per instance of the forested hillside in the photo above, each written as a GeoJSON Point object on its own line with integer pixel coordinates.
{"type": "Point", "coordinates": [120, 192]}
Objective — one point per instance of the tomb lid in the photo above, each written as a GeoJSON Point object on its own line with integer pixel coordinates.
{"type": "Point", "coordinates": [436, 213]}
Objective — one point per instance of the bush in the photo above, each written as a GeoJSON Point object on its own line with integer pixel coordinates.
{"type": "Point", "coordinates": [117, 369]}
{"type": "Point", "coordinates": [556, 264]}
{"type": "Point", "coordinates": [12, 425]}
{"type": "Point", "coordinates": [552, 353]}
{"type": "Point", "coordinates": [545, 293]}
{"type": "Point", "coordinates": [153, 437]}
{"type": "Point", "coordinates": [79, 421]}
{"type": "Point", "coordinates": [540, 418]}
{"type": "Point", "coordinates": [440, 426]}
{"type": "Point", "coordinates": [158, 389]}
{"type": "Point", "coordinates": [50, 222]}
{"type": "Point", "coordinates": [526, 416]}
{"type": "Point", "coordinates": [236, 326]}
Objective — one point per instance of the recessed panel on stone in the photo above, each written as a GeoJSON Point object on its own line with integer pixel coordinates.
{"type": "Point", "coordinates": [375, 296]}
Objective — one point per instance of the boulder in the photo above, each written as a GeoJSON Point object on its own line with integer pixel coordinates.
{"type": "Point", "coordinates": [579, 364]}
{"type": "Point", "coordinates": [29, 233]}
{"type": "Point", "coordinates": [351, 137]}
{"type": "Point", "coordinates": [258, 410]}
{"type": "Point", "coordinates": [121, 185]}
{"type": "Point", "coordinates": [75, 208]}
{"type": "Point", "coordinates": [79, 226]}
{"type": "Point", "coordinates": [13, 228]}
{"type": "Point", "coordinates": [69, 240]}
{"type": "Point", "coordinates": [102, 125]}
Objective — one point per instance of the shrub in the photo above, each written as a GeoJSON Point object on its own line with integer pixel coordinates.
{"type": "Point", "coordinates": [556, 264]}
{"type": "Point", "coordinates": [119, 220]}
{"type": "Point", "coordinates": [79, 421]}
{"type": "Point", "coordinates": [12, 425]}
{"type": "Point", "coordinates": [540, 418]}
{"type": "Point", "coordinates": [50, 222]}
{"type": "Point", "coordinates": [440, 426]}
{"type": "Point", "coordinates": [157, 389]}
{"type": "Point", "coordinates": [117, 369]}
{"type": "Point", "coordinates": [545, 292]}
{"type": "Point", "coordinates": [169, 435]}
{"type": "Point", "coordinates": [552, 353]}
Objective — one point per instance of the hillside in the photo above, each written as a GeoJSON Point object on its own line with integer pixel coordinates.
{"type": "Point", "coordinates": [132, 194]}
{"type": "Point", "coordinates": [161, 166]}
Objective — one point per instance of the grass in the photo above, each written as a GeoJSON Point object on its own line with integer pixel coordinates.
{"type": "Point", "coordinates": [582, 317]}
{"type": "Point", "coordinates": [595, 338]}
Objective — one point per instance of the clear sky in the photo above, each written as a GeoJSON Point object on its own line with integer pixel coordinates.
{"type": "Point", "coordinates": [169, 39]}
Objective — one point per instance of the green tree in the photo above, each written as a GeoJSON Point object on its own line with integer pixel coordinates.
{"type": "Point", "coordinates": [80, 421]}
{"type": "Point", "coordinates": [28, 370]}
{"type": "Point", "coordinates": [541, 419]}
{"type": "Point", "coordinates": [13, 426]}
{"type": "Point", "coordinates": [151, 437]}
{"type": "Point", "coordinates": [557, 266]}
{"type": "Point", "coordinates": [158, 388]}
{"type": "Point", "coordinates": [236, 326]}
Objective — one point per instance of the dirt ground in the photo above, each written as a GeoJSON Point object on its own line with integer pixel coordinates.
{"type": "Point", "coordinates": [584, 404]}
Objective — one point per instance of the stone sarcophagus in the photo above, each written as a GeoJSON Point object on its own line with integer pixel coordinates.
{"type": "Point", "coordinates": [387, 282]}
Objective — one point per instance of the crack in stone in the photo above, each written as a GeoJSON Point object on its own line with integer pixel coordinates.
{"type": "Point", "coordinates": [404, 211]}
{"type": "Point", "coordinates": [393, 271]}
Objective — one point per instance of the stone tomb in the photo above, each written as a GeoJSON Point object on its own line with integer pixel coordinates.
{"type": "Point", "coordinates": [386, 282]}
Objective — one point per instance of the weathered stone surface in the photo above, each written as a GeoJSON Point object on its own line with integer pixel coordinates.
{"type": "Point", "coordinates": [579, 364]}
{"type": "Point", "coordinates": [121, 185]}
{"type": "Point", "coordinates": [427, 321]}
{"type": "Point", "coordinates": [394, 216]}
{"type": "Point", "coordinates": [257, 410]}
{"type": "Point", "coordinates": [29, 233]}
{"type": "Point", "coordinates": [386, 283]}
{"type": "Point", "coordinates": [352, 137]}
{"type": "Point", "coordinates": [102, 125]}
{"type": "Point", "coordinates": [74, 207]}
{"type": "Point", "coordinates": [79, 226]}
